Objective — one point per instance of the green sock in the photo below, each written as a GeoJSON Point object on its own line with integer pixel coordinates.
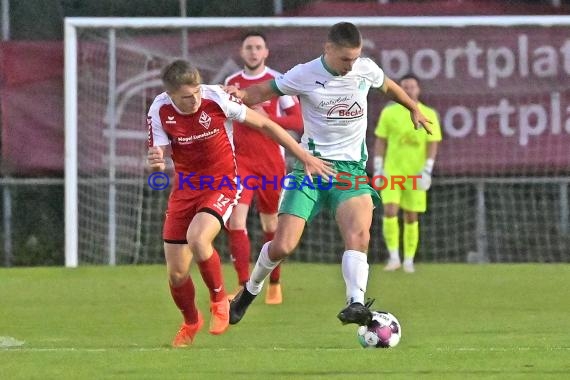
{"type": "Point", "coordinates": [411, 238]}
{"type": "Point", "coordinates": [391, 231]}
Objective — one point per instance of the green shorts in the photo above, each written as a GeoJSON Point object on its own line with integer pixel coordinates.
{"type": "Point", "coordinates": [305, 199]}
{"type": "Point", "coordinates": [408, 198]}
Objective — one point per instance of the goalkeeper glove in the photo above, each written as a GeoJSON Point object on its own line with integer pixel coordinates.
{"type": "Point", "coordinates": [379, 171]}
{"type": "Point", "coordinates": [424, 182]}
{"type": "Point", "coordinates": [378, 165]}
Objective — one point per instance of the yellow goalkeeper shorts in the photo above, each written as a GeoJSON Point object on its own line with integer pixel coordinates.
{"type": "Point", "coordinates": [408, 198]}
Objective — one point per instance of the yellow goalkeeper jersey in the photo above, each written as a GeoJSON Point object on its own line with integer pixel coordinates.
{"type": "Point", "coordinates": [406, 148]}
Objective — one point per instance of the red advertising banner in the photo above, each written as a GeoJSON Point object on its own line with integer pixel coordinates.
{"type": "Point", "coordinates": [502, 93]}
{"type": "Point", "coordinates": [32, 107]}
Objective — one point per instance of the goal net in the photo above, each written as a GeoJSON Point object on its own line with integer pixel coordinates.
{"type": "Point", "coordinates": [501, 87]}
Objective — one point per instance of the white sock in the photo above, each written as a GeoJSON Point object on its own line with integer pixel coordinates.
{"type": "Point", "coordinates": [355, 273]}
{"type": "Point", "coordinates": [394, 255]}
{"type": "Point", "coordinates": [408, 261]}
{"type": "Point", "coordinates": [263, 267]}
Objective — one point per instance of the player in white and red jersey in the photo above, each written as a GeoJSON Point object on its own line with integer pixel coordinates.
{"type": "Point", "coordinates": [259, 157]}
{"type": "Point", "coordinates": [196, 122]}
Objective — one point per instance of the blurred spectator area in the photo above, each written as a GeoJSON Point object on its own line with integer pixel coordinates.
{"type": "Point", "coordinates": [43, 20]}
{"type": "Point", "coordinates": [431, 8]}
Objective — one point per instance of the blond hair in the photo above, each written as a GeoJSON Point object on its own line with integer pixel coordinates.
{"type": "Point", "coordinates": [180, 73]}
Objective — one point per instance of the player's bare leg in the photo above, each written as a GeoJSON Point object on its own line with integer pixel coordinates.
{"type": "Point", "coordinates": [201, 233]}
{"type": "Point", "coordinates": [354, 217]}
{"type": "Point", "coordinates": [287, 236]}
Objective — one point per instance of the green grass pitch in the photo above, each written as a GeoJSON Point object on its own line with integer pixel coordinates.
{"type": "Point", "coordinates": [458, 322]}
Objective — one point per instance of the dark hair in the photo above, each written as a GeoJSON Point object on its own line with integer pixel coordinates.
{"type": "Point", "coordinates": [345, 34]}
{"type": "Point", "coordinates": [253, 33]}
{"type": "Point", "coordinates": [409, 76]}
{"type": "Point", "coordinates": [179, 73]}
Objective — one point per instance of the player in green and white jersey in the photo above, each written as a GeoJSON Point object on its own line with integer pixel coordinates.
{"type": "Point", "coordinates": [333, 93]}
{"type": "Point", "coordinates": [401, 152]}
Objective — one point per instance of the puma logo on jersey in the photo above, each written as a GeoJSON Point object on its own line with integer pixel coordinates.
{"type": "Point", "coordinates": [205, 120]}
{"type": "Point", "coordinates": [320, 84]}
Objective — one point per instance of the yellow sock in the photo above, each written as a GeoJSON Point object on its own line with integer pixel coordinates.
{"type": "Point", "coordinates": [411, 238]}
{"type": "Point", "coordinates": [391, 231]}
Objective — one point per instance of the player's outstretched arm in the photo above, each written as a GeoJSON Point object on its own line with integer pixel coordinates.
{"type": "Point", "coordinates": [313, 165]}
{"type": "Point", "coordinates": [395, 92]}
{"type": "Point", "coordinates": [253, 94]}
{"type": "Point", "coordinates": [155, 158]}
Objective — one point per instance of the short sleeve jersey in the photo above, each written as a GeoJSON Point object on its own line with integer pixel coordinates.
{"type": "Point", "coordinates": [406, 149]}
{"type": "Point", "coordinates": [334, 107]}
{"type": "Point", "coordinates": [250, 144]}
{"type": "Point", "coordinates": [201, 142]}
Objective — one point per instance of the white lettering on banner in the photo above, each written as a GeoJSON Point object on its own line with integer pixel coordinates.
{"type": "Point", "coordinates": [434, 63]}
{"type": "Point", "coordinates": [533, 119]}
{"type": "Point", "coordinates": [500, 64]}
{"type": "Point", "coordinates": [492, 63]}
{"type": "Point", "coordinates": [400, 58]}
{"type": "Point", "coordinates": [523, 55]}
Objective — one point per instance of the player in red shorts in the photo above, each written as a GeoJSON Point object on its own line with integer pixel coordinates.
{"type": "Point", "coordinates": [250, 145]}
{"type": "Point", "coordinates": [194, 120]}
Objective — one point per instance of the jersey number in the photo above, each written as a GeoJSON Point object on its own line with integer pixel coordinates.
{"type": "Point", "coordinates": [221, 202]}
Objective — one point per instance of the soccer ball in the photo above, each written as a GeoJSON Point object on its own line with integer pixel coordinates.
{"type": "Point", "coordinates": [383, 332]}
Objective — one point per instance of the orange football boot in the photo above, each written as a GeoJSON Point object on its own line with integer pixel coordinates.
{"type": "Point", "coordinates": [185, 336]}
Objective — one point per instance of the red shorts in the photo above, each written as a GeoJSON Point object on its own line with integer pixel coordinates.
{"type": "Point", "coordinates": [266, 188]}
{"type": "Point", "coordinates": [180, 212]}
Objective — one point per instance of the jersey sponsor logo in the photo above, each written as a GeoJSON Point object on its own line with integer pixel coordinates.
{"type": "Point", "coordinates": [170, 120]}
{"type": "Point", "coordinates": [185, 140]}
{"type": "Point", "coordinates": [345, 112]}
{"type": "Point", "coordinates": [337, 100]}
{"type": "Point", "coordinates": [205, 120]}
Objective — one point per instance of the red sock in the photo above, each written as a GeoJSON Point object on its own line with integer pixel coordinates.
{"type": "Point", "coordinates": [184, 296]}
{"type": "Point", "coordinates": [275, 274]}
{"type": "Point", "coordinates": [268, 236]}
{"type": "Point", "coordinates": [239, 250]}
{"type": "Point", "coordinates": [211, 271]}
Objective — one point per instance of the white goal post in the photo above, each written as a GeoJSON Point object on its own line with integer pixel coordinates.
{"type": "Point", "coordinates": [101, 92]}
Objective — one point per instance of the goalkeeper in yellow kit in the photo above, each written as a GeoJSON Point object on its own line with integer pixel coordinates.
{"type": "Point", "coordinates": [400, 151]}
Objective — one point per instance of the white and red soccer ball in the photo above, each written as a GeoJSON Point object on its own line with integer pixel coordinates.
{"type": "Point", "coordinates": [384, 331]}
